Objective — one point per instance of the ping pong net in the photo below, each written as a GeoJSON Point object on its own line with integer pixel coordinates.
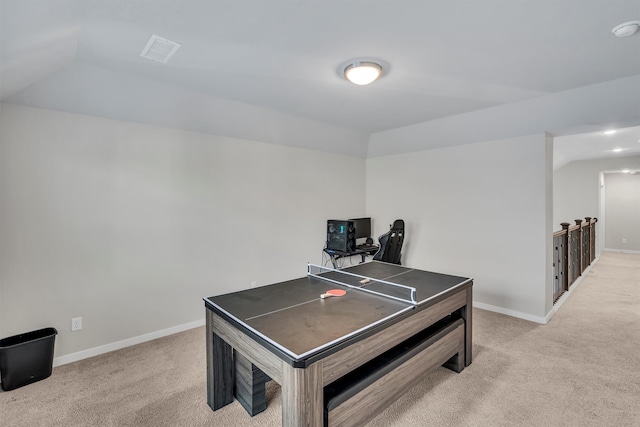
{"type": "Point", "coordinates": [379, 287]}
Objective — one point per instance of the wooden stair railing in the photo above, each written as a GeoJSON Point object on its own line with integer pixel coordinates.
{"type": "Point", "coordinates": [574, 249]}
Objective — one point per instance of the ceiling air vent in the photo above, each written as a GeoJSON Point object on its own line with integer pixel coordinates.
{"type": "Point", "coordinates": [159, 49]}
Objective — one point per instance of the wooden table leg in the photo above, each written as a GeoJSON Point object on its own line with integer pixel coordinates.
{"type": "Point", "coordinates": [302, 398]}
{"type": "Point", "coordinates": [250, 385]}
{"type": "Point", "coordinates": [467, 315]}
{"type": "Point", "coordinates": [220, 375]}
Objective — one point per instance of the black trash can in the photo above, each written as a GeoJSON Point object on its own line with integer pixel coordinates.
{"type": "Point", "coordinates": [26, 358]}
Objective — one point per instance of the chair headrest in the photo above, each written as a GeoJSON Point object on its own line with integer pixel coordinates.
{"type": "Point", "coordinates": [398, 224]}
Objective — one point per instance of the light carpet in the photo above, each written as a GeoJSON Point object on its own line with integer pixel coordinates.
{"type": "Point", "coordinates": [581, 369]}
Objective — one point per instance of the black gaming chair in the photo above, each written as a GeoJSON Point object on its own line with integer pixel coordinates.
{"type": "Point", "coordinates": [391, 244]}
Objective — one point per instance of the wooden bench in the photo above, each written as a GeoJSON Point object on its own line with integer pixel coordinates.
{"type": "Point", "coordinates": [359, 396]}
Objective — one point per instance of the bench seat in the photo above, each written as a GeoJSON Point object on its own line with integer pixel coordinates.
{"type": "Point", "coordinates": [359, 396]}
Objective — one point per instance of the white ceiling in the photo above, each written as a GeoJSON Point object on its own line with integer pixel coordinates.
{"type": "Point", "coordinates": [278, 64]}
{"type": "Point", "coordinates": [592, 145]}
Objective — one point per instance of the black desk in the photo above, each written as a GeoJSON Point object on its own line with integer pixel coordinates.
{"type": "Point", "coordinates": [335, 255]}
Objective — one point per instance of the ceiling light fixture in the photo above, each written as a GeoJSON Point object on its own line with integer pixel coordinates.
{"type": "Point", "coordinates": [609, 132]}
{"type": "Point", "coordinates": [617, 150]}
{"type": "Point", "coordinates": [363, 72]}
{"type": "Point", "coordinates": [626, 29]}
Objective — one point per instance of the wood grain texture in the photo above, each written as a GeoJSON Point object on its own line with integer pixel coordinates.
{"type": "Point", "coordinates": [249, 385]}
{"type": "Point", "coordinates": [268, 362]}
{"type": "Point", "coordinates": [366, 404]}
{"type": "Point", "coordinates": [458, 362]}
{"type": "Point", "coordinates": [302, 398]}
{"type": "Point", "coordinates": [209, 355]}
{"type": "Point", "coordinates": [302, 389]}
{"type": "Point", "coordinates": [219, 369]}
{"type": "Point", "coordinates": [346, 360]}
{"type": "Point", "coordinates": [467, 315]}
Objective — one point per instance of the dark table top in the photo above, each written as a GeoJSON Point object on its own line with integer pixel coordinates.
{"type": "Point", "coordinates": [292, 317]}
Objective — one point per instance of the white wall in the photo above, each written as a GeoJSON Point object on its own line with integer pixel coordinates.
{"type": "Point", "coordinates": [576, 191]}
{"type": "Point", "coordinates": [622, 201]}
{"type": "Point", "coordinates": [480, 211]}
{"type": "Point", "coordinates": [576, 187]}
{"type": "Point", "coordinates": [130, 226]}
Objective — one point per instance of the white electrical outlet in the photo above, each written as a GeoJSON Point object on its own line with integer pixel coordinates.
{"type": "Point", "coordinates": [254, 284]}
{"type": "Point", "coordinates": [76, 324]}
{"type": "Point", "coordinates": [624, 240]}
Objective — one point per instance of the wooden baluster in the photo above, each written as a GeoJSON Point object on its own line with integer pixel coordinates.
{"type": "Point", "coordinates": [587, 243]}
{"type": "Point", "coordinates": [593, 238]}
{"type": "Point", "coordinates": [580, 247]}
{"type": "Point", "coordinates": [565, 255]}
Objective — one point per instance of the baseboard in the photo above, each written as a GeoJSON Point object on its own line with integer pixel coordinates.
{"type": "Point", "coordinates": [622, 251]}
{"type": "Point", "coordinates": [85, 354]}
{"type": "Point", "coordinates": [538, 319]}
{"type": "Point", "coordinates": [74, 357]}
{"type": "Point", "coordinates": [509, 312]}
{"type": "Point", "coordinates": [566, 294]}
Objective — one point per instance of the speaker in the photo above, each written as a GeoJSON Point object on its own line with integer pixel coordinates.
{"type": "Point", "coordinates": [341, 235]}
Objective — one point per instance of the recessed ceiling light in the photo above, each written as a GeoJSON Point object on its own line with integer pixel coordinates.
{"type": "Point", "coordinates": [617, 150]}
{"type": "Point", "coordinates": [626, 171]}
{"type": "Point", "coordinates": [609, 132]}
{"type": "Point", "coordinates": [363, 72]}
{"type": "Point", "coordinates": [626, 29]}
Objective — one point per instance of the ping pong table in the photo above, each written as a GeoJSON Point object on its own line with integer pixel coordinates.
{"type": "Point", "coordinates": [307, 344]}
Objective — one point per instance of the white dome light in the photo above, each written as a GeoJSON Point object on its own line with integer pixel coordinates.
{"type": "Point", "coordinates": [626, 29]}
{"type": "Point", "coordinates": [363, 73]}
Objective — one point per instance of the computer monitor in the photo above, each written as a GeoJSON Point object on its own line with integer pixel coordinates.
{"type": "Point", "coordinates": [362, 226]}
